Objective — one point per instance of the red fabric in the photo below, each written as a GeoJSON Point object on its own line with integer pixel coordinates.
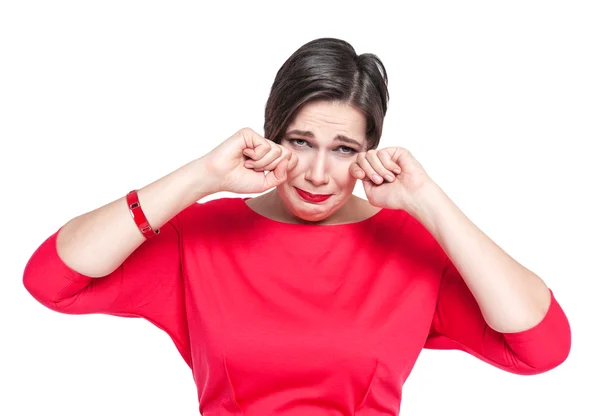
{"type": "Point", "coordinates": [290, 319]}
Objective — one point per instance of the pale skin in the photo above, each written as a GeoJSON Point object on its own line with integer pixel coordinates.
{"type": "Point", "coordinates": [511, 297]}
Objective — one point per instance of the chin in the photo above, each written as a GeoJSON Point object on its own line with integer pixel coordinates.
{"type": "Point", "coordinates": [307, 211]}
{"type": "Point", "coordinates": [311, 216]}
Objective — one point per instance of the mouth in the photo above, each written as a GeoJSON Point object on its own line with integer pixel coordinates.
{"type": "Point", "coordinates": [313, 198]}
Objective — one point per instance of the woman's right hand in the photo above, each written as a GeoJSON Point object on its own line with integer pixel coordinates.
{"type": "Point", "coordinates": [228, 162]}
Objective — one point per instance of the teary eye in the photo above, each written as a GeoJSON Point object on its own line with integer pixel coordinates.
{"type": "Point", "coordinates": [295, 142]}
{"type": "Point", "coordinates": [343, 150]}
{"type": "Point", "coordinates": [347, 150]}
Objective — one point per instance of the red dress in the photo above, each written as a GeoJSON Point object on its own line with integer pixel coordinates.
{"type": "Point", "coordinates": [292, 319]}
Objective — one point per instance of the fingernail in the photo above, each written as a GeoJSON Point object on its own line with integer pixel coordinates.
{"type": "Point", "coordinates": [397, 171]}
{"type": "Point", "coordinates": [377, 178]}
{"type": "Point", "coordinates": [248, 164]}
{"type": "Point", "coordinates": [389, 177]}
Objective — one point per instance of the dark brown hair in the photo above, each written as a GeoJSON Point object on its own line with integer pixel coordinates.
{"type": "Point", "coordinates": [328, 69]}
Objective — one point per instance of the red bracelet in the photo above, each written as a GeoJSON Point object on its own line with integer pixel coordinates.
{"type": "Point", "coordinates": [138, 215]}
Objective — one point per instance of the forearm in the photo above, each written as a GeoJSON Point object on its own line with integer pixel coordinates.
{"type": "Point", "coordinates": [97, 242]}
{"type": "Point", "coordinates": [511, 297]}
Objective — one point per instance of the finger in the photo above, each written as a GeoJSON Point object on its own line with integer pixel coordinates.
{"type": "Point", "coordinates": [286, 154]}
{"type": "Point", "coordinates": [262, 156]}
{"type": "Point", "coordinates": [277, 176]}
{"type": "Point", "coordinates": [373, 157]}
{"type": "Point", "coordinates": [293, 161]}
{"type": "Point", "coordinates": [388, 163]}
{"type": "Point", "coordinates": [256, 146]}
{"type": "Point", "coordinates": [356, 171]}
{"type": "Point", "coordinates": [273, 154]}
{"type": "Point", "coordinates": [258, 152]}
{"type": "Point", "coordinates": [370, 173]}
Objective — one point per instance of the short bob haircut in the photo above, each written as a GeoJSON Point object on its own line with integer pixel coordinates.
{"type": "Point", "coordinates": [328, 69]}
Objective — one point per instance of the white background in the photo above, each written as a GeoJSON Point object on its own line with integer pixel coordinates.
{"type": "Point", "coordinates": [500, 101]}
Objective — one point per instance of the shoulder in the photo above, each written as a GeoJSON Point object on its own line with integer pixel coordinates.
{"type": "Point", "coordinates": [214, 205]}
{"type": "Point", "coordinates": [414, 238]}
{"type": "Point", "coordinates": [214, 213]}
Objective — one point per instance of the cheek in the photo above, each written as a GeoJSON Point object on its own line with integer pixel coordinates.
{"type": "Point", "coordinates": [342, 178]}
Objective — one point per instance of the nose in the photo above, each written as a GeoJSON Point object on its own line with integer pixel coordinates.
{"type": "Point", "coordinates": [317, 171]}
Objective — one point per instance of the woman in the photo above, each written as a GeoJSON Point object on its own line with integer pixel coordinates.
{"type": "Point", "coordinates": [305, 299]}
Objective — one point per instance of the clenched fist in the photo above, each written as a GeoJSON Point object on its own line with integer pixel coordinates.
{"type": "Point", "coordinates": [240, 162]}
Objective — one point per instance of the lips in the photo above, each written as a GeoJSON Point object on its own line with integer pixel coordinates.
{"type": "Point", "coordinates": [307, 196]}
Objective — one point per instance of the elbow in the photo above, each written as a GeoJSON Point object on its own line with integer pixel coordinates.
{"type": "Point", "coordinates": [56, 293]}
{"type": "Point", "coordinates": [49, 281]}
{"type": "Point", "coordinates": [557, 346]}
{"type": "Point", "coordinates": [547, 353]}
{"type": "Point", "coordinates": [41, 297]}
{"type": "Point", "coordinates": [552, 357]}
{"type": "Point", "coordinates": [543, 347]}
{"type": "Point", "coordinates": [34, 283]}
{"type": "Point", "coordinates": [559, 349]}
{"type": "Point", "coordinates": [36, 273]}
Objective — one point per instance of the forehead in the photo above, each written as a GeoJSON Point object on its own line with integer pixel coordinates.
{"type": "Point", "coordinates": [326, 119]}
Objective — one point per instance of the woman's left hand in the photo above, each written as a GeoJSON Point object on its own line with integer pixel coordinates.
{"type": "Point", "coordinates": [406, 177]}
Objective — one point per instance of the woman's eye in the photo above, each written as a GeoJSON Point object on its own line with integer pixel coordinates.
{"type": "Point", "coordinates": [347, 150]}
{"type": "Point", "coordinates": [295, 142]}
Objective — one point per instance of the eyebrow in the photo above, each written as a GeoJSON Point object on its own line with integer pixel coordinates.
{"type": "Point", "coordinates": [310, 134]}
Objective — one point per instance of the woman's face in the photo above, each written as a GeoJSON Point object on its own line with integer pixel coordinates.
{"type": "Point", "coordinates": [326, 136]}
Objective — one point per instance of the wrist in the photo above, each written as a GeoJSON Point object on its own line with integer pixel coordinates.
{"type": "Point", "coordinates": [204, 180]}
{"type": "Point", "coordinates": [425, 199]}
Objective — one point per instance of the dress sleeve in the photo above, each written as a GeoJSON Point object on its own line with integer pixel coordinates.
{"type": "Point", "coordinates": [459, 324]}
{"type": "Point", "coordinates": [148, 284]}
